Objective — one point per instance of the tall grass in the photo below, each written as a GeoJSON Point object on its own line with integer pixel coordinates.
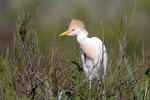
{"type": "Point", "coordinates": [131, 78]}
{"type": "Point", "coordinates": [27, 73]}
{"type": "Point", "coordinates": [77, 95]}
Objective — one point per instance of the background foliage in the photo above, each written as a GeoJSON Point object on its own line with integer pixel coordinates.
{"type": "Point", "coordinates": [36, 64]}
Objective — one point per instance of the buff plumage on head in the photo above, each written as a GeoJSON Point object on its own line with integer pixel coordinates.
{"type": "Point", "coordinates": [76, 23]}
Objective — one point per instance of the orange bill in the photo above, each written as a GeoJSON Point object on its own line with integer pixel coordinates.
{"type": "Point", "coordinates": [65, 33]}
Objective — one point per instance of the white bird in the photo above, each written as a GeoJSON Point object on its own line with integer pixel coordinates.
{"type": "Point", "coordinates": [93, 52]}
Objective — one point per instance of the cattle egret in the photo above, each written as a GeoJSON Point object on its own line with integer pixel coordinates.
{"type": "Point", "coordinates": [93, 52]}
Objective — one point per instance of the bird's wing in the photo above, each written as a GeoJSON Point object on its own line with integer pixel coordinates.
{"type": "Point", "coordinates": [92, 47]}
{"type": "Point", "coordinates": [82, 56]}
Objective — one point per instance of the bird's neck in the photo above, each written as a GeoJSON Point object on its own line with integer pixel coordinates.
{"type": "Point", "coordinates": [81, 37]}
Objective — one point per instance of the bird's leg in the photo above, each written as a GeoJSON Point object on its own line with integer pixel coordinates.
{"type": "Point", "coordinates": [90, 83]}
{"type": "Point", "coordinates": [100, 89]}
{"type": "Point", "coordinates": [103, 84]}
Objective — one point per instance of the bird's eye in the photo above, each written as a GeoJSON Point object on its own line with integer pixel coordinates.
{"type": "Point", "coordinates": [73, 29]}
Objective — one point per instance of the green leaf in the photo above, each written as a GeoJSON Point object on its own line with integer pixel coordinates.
{"type": "Point", "coordinates": [80, 70]}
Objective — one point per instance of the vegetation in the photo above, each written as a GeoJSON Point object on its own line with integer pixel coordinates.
{"type": "Point", "coordinates": [29, 72]}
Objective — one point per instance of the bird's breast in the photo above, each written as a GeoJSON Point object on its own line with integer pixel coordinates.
{"type": "Point", "coordinates": [89, 51]}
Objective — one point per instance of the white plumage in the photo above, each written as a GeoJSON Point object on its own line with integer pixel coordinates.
{"type": "Point", "coordinates": [92, 57]}
{"type": "Point", "coordinates": [93, 52]}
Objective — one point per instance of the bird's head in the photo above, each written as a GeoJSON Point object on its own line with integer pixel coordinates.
{"type": "Point", "coordinates": [76, 27]}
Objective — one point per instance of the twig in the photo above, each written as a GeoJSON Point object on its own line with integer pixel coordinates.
{"type": "Point", "coordinates": [102, 62]}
